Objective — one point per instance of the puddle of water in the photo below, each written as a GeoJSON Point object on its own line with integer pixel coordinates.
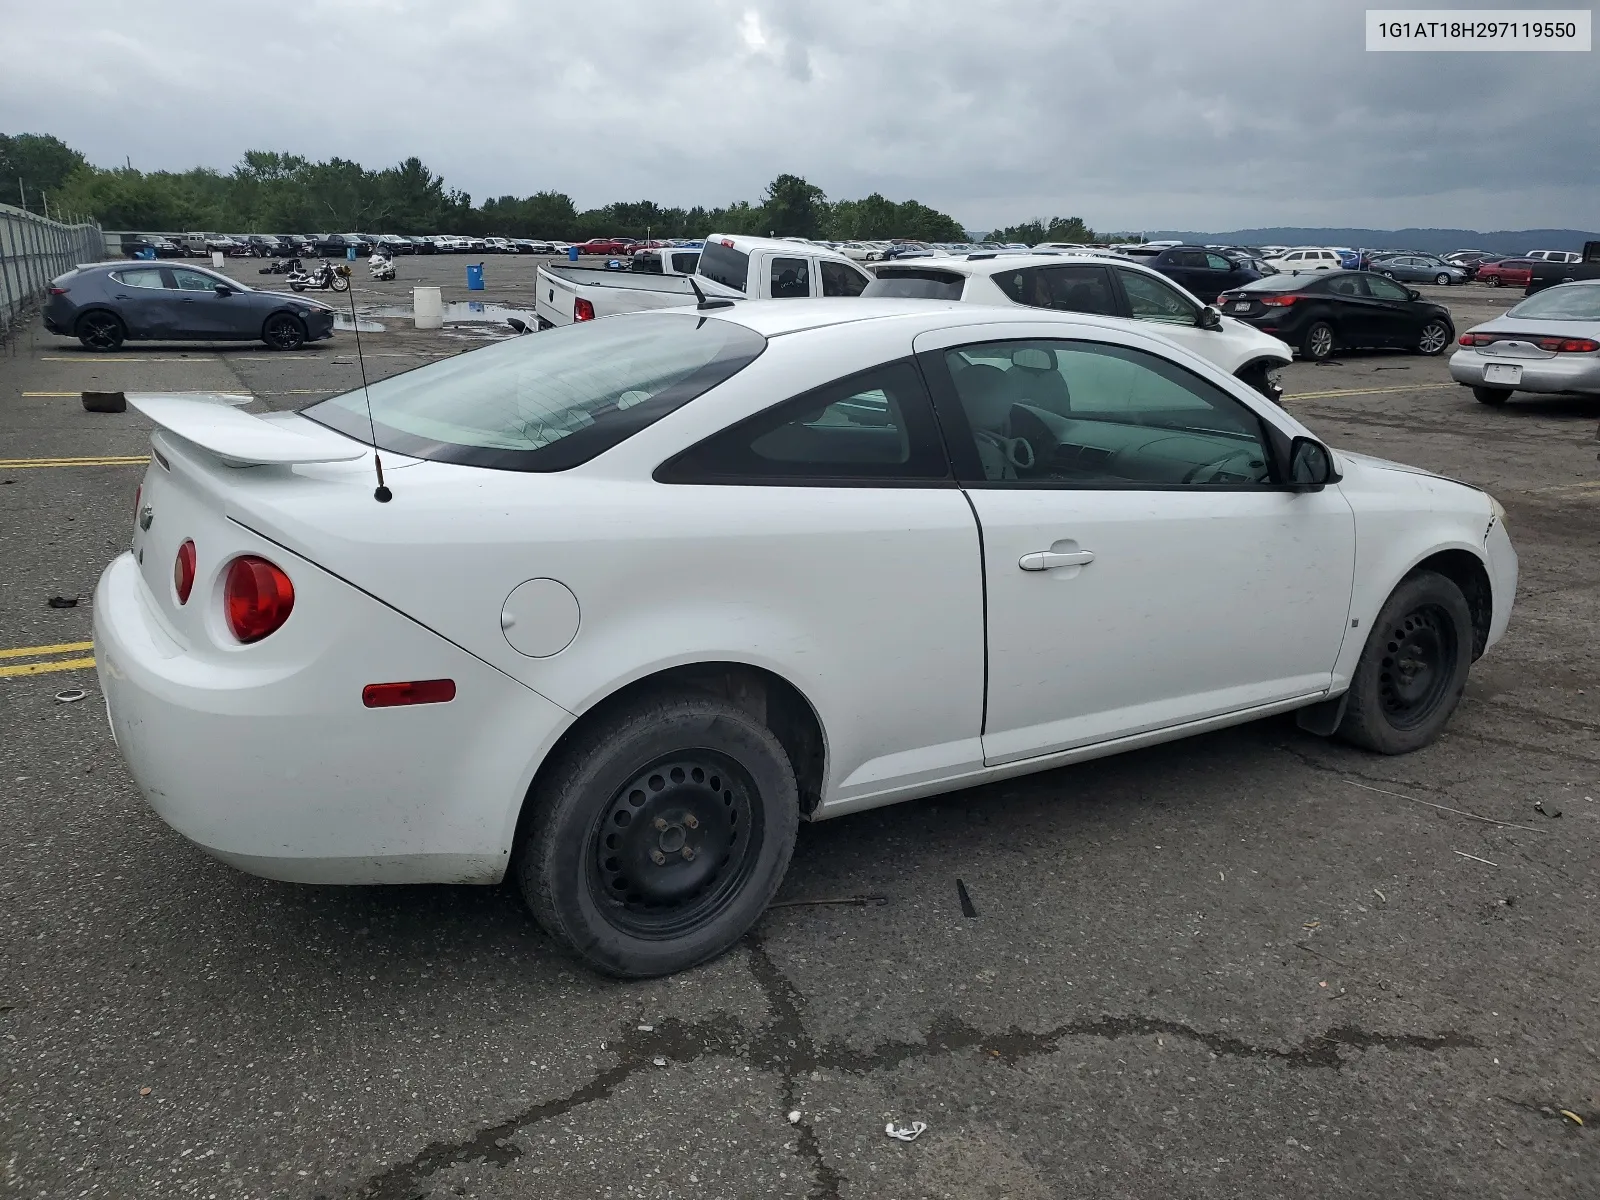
{"type": "Point", "coordinates": [341, 321]}
{"type": "Point", "coordinates": [456, 312]}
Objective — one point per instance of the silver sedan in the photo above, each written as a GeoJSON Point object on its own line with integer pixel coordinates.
{"type": "Point", "coordinates": [1548, 343]}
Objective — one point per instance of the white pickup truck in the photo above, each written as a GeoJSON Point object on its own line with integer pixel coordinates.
{"type": "Point", "coordinates": [734, 267]}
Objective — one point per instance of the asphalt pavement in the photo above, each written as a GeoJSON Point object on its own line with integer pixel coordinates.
{"type": "Point", "coordinates": [1255, 963]}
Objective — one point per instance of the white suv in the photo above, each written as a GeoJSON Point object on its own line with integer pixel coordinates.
{"type": "Point", "coordinates": [1087, 283]}
{"type": "Point", "coordinates": [1305, 259]}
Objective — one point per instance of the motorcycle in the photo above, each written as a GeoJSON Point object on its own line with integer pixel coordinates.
{"type": "Point", "coordinates": [323, 276]}
{"type": "Point", "coordinates": [381, 266]}
{"type": "Point", "coordinates": [281, 267]}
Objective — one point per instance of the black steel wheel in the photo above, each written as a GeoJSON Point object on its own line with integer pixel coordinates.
{"type": "Point", "coordinates": [656, 834]}
{"type": "Point", "coordinates": [675, 844]}
{"type": "Point", "coordinates": [1413, 669]}
{"type": "Point", "coordinates": [101, 331]}
{"type": "Point", "coordinates": [1318, 341]}
{"type": "Point", "coordinates": [283, 332]}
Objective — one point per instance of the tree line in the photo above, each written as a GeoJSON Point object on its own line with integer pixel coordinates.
{"type": "Point", "coordinates": [271, 191]}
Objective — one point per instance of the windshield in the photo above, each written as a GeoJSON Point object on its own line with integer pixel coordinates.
{"type": "Point", "coordinates": [1567, 302]}
{"type": "Point", "coordinates": [549, 401]}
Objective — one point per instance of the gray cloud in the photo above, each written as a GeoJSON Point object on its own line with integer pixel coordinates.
{"type": "Point", "coordinates": [1163, 113]}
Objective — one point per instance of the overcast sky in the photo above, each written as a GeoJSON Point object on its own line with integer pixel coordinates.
{"type": "Point", "coordinates": [1153, 114]}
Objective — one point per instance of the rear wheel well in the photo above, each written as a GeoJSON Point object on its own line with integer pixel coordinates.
{"type": "Point", "coordinates": [768, 697]}
{"type": "Point", "coordinates": [1468, 573]}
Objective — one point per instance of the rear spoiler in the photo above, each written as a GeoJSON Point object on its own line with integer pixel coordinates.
{"type": "Point", "coordinates": [214, 425]}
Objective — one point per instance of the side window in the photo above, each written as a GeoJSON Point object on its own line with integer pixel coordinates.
{"type": "Point", "coordinates": [1217, 263]}
{"type": "Point", "coordinates": [686, 262]}
{"type": "Point", "coordinates": [193, 281]}
{"type": "Point", "coordinates": [840, 280]}
{"type": "Point", "coordinates": [1346, 285]}
{"type": "Point", "coordinates": [149, 277]}
{"type": "Point", "coordinates": [1152, 299]}
{"type": "Point", "coordinates": [1385, 289]}
{"type": "Point", "coordinates": [877, 425]}
{"type": "Point", "coordinates": [1087, 414]}
{"type": "Point", "coordinates": [791, 278]}
{"type": "Point", "coordinates": [1080, 289]}
{"type": "Point", "coordinates": [1189, 258]}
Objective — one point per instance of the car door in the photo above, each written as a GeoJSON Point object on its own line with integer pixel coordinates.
{"type": "Point", "coordinates": [841, 503]}
{"type": "Point", "coordinates": [1143, 566]}
{"type": "Point", "coordinates": [140, 297]}
{"type": "Point", "coordinates": [1222, 274]}
{"type": "Point", "coordinates": [201, 313]}
{"type": "Point", "coordinates": [1396, 319]}
{"type": "Point", "coordinates": [1351, 308]}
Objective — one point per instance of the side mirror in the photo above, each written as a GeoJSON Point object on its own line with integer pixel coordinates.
{"type": "Point", "coordinates": [223, 289]}
{"type": "Point", "coordinates": [1414, 294]}
{"type": "Point", "coordinates": [1310, 465]}
{"type": "Point", "coordinates": [1210, 317]}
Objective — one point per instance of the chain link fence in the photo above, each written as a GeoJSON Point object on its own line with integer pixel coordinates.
{"type": "Point", "coordinates": [33, 251]}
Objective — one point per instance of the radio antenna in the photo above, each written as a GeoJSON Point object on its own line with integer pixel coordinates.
{"type": "Point", "coordinates": [381, 493]}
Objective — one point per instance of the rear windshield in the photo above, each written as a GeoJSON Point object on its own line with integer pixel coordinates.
{"type": "Point", "coordinates": [547, 401]}
{"type": "Point", "coordinates": [1281, 283]}
{"type": "Point", "coordinates": [1567, 302]}
{"type": "Point", "coordinates": [725, 265]}
{"type": "Point", "coordinates": [916, 283]}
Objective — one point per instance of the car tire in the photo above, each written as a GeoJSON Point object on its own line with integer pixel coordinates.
{"type": "Point", "coordinates": [100, 331]}
{"type": "Point", "coordinates": [640, 896]}
{"type": "Point", "coordinates": [1493, 397]}
{"type": "Point", "coordinates": [1442, 279]}
{"type": "Point", "coordinates": [1433, 339]}
{"type": "Point", "coordinates": [283, 332]}
{"type": "Point", "coordinates": [1413, 669]}
{"type": "Point", "coordinates": [1493, 281]}
{"type": "Point", "coordinates": [1318, 342]}
{"type": "Point", "coordinates": [1259, 376]}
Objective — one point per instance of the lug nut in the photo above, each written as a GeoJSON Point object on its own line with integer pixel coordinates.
{"type": "Point", "coordinates": [658, 857]}
{"type": "Point", "coordinates": [688, 854]}
{"type": "Point", "coordinates": [691, 821]}
{"type": "Point", "coordinates": [661, 822]}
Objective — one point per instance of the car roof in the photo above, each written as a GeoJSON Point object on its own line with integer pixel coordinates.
{"type": "Point", "coordinates": [745, 243]}
{"type": "Point", "coordinates": [989, 262]}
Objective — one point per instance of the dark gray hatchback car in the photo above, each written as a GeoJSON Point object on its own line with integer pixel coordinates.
{"type": "Point", "coordinates": [105, 304]}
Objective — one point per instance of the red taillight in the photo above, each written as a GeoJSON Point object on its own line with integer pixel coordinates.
{"type": "Point", "coordinates": [1477, 339]}
{"type": "Point", "coordinates": [582, 310]}
{"type": "Point", "coordinates": [1279, 301]}
{"type": "Point", "coordinates": [417, 691]}
{"type": "Point", "coordinates": [257, 598]}
{"type": "Point", "coordinates": [1578, 346]}
{"type": "Point", "coordinates": [55, 291]}
{"type": "Point", "coordinates": [183, 572]}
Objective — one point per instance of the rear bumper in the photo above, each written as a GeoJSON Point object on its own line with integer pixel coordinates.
{"type": "Point", "coordinates": [1565, 373]}
{"type": "Point", "coordinates": [280, 771]}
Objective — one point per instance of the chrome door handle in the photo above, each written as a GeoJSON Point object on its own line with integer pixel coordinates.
{"type": "Point", "coordinates": [1043, 560]}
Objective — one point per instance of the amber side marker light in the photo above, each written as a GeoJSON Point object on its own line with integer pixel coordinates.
{"type": "Point", "coordinates": [416, 691]}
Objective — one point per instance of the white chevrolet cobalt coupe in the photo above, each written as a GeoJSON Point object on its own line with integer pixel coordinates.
{"type": "Point", "coordinates": [651, 590]}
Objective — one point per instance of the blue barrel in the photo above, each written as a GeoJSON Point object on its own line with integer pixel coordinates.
{"type": "Point", "coordinates": [572, 253]}
{"type": "Point", "coordinates": [474, 277]}
{"type": "Point", "coordinates": [350, 253]}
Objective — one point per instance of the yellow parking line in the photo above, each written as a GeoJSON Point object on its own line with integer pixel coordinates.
{"type": "Point", "coordinates": [1418, 387]}
{"type": "Point", "coordinates": [17, 464]}
{"type": "Point", "coordinates": [38, 651]}
{"type": "Point", "coordinates": [44, 668]}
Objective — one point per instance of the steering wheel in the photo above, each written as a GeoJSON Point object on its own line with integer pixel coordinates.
{"type": "Point", "coordinates": [1211, 468]}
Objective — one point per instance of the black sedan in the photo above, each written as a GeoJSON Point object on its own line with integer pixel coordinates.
{"type": "Point", "coordinates": [1206, 273]}
{"type": "Point", "coordinates": [1346, 309]}
{"type": "Point", "coordinates": [105, 304]}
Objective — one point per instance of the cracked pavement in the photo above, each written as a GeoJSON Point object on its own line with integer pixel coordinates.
{"type": "Point", "coordinates": [1254, 963]}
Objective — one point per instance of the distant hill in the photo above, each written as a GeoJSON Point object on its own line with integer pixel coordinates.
{"type": "Point", "coordinates": [1431, 241]}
